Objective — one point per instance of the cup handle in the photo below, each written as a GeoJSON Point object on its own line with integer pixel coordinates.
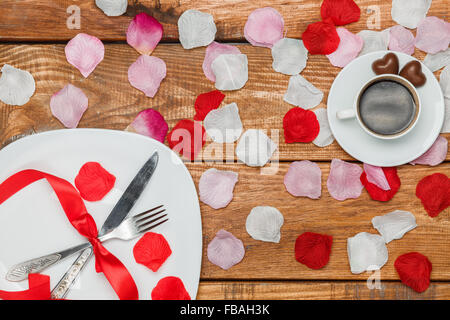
{"type": "Point", "coordinates": [346, 114]}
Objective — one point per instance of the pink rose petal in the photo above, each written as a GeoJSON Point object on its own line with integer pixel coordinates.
{"type": "Point", "coordinates": [433, 35]}
{"type": "Point", "coordinates": [304, 179]}
{"type": "Point", "coordinates": [85, 52]}
{"type": "Point", "coordinates": [216, 187]}
{"type": "Point", "coordinates": [264, 27]}
{"type": "Point", "coordinates": [343, 181]}
{"type": "Point", "coordinates": [144, 33]}
{"type": "Point", "coordinates": [401, 39]}
{"type": "Point", "coordinates": [349, 48]}
{"type": "Point", "coordinates": [150, 123]}
{"type": "Point", "coordinates": [435, 155]}
{"type": "Point", "coordinates": [146, 74]}
{"type": "Point", "coordinates": [214, 50]}
{"type": "Point", "coordinates": [225, 250]}
{"type": "Point", "coordinates": [376, 176]}
{"type": "Point", "coordinates": [68, 105]}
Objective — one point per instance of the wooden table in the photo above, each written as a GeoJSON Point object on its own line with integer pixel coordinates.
{"type": "Point", "coordinates": [33, 34]}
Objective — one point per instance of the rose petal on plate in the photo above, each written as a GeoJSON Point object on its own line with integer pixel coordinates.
{"type": "Point", "coordinates": [374, 40]}
{"type": "Point", "coordinates": [206, 102]}
{"type": "Point", "coordinates": [435, 155]}
{"type": "Point", "coordinates": [196, 29]}
{"type": "Point", "coordinates": [433, 35]}
{"type": "Point", "coordinates": [187, 138]}
{"type": "Point", "coordinates": [289, 56]}
{"type": "Point", "coordinates": [325, 136]}
{"type": "Point", "coordinates": [85, 52]}
{"type": "Point", "coordinates": [401, 39]}
{"type": "Point", "coordinates": [302, 93]}
{"type": "Point", "coordinates": [231, 71]}
{"type": "Point", "coordinates": [255, 148]}
{"type": "Point", "coordinates": [214, 50]}
{"type": "Point", "coordinates": [446, 126]}
{"type": "Point", "coordinates": [300, 125]}
{"type": "Point", "coordinates": [224, 125]}
{"type": "Point", "coordinates": [313, 249]}
{"type": "Point", "coordinates": [376, 176]}
{"type": "Point", "coordinates": [394, 225]}
{"type": "Point", "coordinates": [341, 12]}
{"type": "Point", "coordinates": [321, 37]}
{"type": "Point", "coordinates": [16, 86]}
{"type": "Point", "coordinates": [438, 60]}
{"type": "Point", "coordinates": [216, 187]}
{"type": "Point", "coordinates": [366, 252]}
{"type": "Point", "coordinates": [444, 81]}
{"type": "Point", "coordinates": [434, 192]}
{"type": "Point", "coordinates": [170, 288]}
{"type": "Point", "coordinates": [150, 123]}
{"type": "Point", "coordinates": [377, 193]}
{"type": "Point", "coordinates": [264, 223]}
{"type": "Point", "coordinates": [68, 105]}
{"type": "Point", "coordinates": [343, 181]}
{"type": "Point", "coordinates": [409, 13]}
{"type": "Point", "coordinates": [414, 270]}
{"type": "Point", "coordinates": [144, 33]}
{"type": "Point", "coordinates": [146, 74]}
{"type": "Point", "coordinates": [112, 8]}
{"type": "Point", "coordinates": [264, 27]}
{"type": "Point", "coordinates": [348, 49]}
{"type": "Point", "coordinates": [94, 182]}
{"type": "Point", "coordinates": [225, 250]}
{"type": "Point", "coordinates": [304, 179]}
{"type": "Point", "coordinates": [152, 250]}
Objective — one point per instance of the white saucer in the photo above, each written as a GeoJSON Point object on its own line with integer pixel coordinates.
{"type": "Point", "coordinates": [365, 148]}
{"type": "Point", "coordinates": [32, 222]}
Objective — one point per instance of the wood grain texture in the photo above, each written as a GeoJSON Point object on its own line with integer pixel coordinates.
{"type": "Point", "coordinates": [43, 20]}
{"type": "Point", "coordinates": [317, 290]}
{"type": "Point", "coordinates": [113, 103]}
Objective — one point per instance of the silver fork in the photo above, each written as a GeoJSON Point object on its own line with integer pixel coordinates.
{"type": "Point", "coordinates": [127, 230]}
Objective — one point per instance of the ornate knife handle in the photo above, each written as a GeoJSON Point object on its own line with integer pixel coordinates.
{"type": "Point", "coordinates": [20, 271]}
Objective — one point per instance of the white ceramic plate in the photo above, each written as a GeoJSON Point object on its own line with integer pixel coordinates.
{"type": "Point", "coordinates": [32, 222]}
{"type": "Point", "coordinates": [365, 148]}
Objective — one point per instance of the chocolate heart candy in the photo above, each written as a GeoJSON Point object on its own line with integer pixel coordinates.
{"type": "Point", "coordinates": [412, 71]}
{"type": "Point", "coordinates": [387, 64]}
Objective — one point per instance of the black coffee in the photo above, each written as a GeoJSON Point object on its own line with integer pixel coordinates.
{"type": "Point", "coordinates": [387, 107]}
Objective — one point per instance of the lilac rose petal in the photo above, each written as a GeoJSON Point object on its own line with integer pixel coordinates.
{"type": "Point", "coordinates": [376, 176]}
{"type": "Point", "coordinates": [349, 48]}
{"type": "Point", "coordinates": [343, 181]}
{"type": "Point", "coordinates": [214, 50]}
{"type": "Point", "coordinates": [304, 179]}
{"type": "Point", "coordinates": [216, 187]}
{"type": "Point", "coordinates": [435, 155]}
{"type": "Point", "coordinates": [85, 52]}
{"type": "Point", "coordinates": [433, 35]}
{"type": "Point", "coordinates": [150, 123]}
{"type": "Point", "coordinates": [264, 27]}
{"type": "Point", "coordinates": [146, 74]}
{"type": "Point", "coordinates": [401, 39]}
{"type": "Point", "coordinates": [68, 105]}
{"type": "Point", "coordinates": [225, 250]}
{"type": "Point", "coordinates": [144, 33]}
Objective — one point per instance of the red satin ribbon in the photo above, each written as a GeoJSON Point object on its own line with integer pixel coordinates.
{"type": "Point", "coordinates": [75, 210]}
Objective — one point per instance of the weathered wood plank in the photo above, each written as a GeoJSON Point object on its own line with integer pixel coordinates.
{"type": "Point", "coordinates": [265, 260]}
{"type": "Point", "coordinates": [42, 20]}
{"type": "Point", "coordinates": [113, 103]}
{"type": "Point", "coordinates": [317, 290]}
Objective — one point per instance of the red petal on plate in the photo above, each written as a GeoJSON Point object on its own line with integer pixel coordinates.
{"type": "Point", "coordinates": [340, 11]}
{"type": "Point", "coordinates": [152, 250]}
{"type": "Point", "coordinates": [170, 288]}
{"type": "Point", "coordinates": [144, 33]}
{"type": "Point", "coordinates": [85, 52]}
{"type": "Point", "coordinates": [146, 74]}
{"type": "Point", "coordinates": [321, 37]}
{"type": "Point", "coordinates": [207, 102]}
{"type": "Point", "coordinates": [150, 123]}
{"type": "Point", "coordinates": [313, 249]}
{"type": "Point", "coordinates": [375, 192]}
{"type": "Point", "coordinates": [414, 270]}
{"type": "Point", "coordinates": [434, 192]}
{"type": "Point", "coordinates": [300, 125]}
{"type": "Point", "coordinates": [93, 181]}
{"type": "Point", "coordinates": [187, 138]}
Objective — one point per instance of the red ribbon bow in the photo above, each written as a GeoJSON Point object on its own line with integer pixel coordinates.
{"type": "Point", "coordinates": [75, 210]}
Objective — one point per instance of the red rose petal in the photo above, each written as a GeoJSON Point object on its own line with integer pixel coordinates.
{"type": "Point", "coordinates": [187, 138]}
{"type": "Point", "coordinates": [321, 37]}
{"type": "Point", "coordinates": [93, 181]}
{"type": "Point", "coordinates": [170, 288]}
{"type": "Point", "coordinates": [207, 102]}
{"type": "Point", "coordinates": [300, 125]}
{"type": "Point", "coordinates": [313, 249]}
{"type": "Point", "coordinates": [414, 270]}
{"type": "Point", "coordinates": [340, 11]}
{"type": "Point", "coordinates": [152, 250]}
{"type": "Point", "coordinates": [375, 192]}
{"type": "Point", "coordinates": [434, 192]}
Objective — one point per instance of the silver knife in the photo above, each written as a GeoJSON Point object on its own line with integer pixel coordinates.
{"type": "Point", "coordinates": [120, 211]}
